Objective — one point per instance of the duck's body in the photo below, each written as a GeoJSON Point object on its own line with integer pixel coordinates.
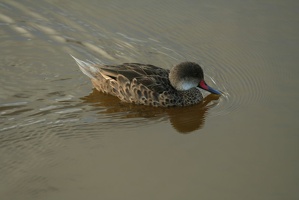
{"type": "Point", "coordinates": [148, 84]}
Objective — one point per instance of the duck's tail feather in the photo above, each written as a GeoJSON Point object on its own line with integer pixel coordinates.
{"type": "Point", "coordinates": [88, 69]}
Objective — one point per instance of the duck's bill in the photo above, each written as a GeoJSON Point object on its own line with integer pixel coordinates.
{"type": "Point", "coordinates": [213, 91]}
{"type": "Point", "coordinates": [204, 86]}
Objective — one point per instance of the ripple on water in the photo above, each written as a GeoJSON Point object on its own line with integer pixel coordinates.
{"type": "Point", "coordinates": [237, 74]}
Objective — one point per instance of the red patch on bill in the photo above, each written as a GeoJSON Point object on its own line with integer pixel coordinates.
{"type": "Point", "coordinates": [203, 85]}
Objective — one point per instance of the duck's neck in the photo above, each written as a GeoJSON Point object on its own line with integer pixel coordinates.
{"type": "Point", "coordinates": [191, 96]}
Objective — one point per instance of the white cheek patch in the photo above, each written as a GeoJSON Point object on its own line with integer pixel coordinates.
{"type": "Point", "coordinates": [188, 84]}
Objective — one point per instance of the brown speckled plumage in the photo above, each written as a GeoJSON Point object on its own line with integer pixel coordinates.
{"type": "Point", "coordinates": [147, 84]}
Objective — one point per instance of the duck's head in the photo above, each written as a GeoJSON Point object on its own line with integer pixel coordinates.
{"type": "Point", "coordinates": [187, 75]}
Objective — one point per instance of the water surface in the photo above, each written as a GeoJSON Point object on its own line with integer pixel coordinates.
{"type": "Point", "coordinates": [61, 139]}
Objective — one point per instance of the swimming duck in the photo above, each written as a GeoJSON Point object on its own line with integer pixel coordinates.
{"type": "Point", "coordinates": [149, 85]}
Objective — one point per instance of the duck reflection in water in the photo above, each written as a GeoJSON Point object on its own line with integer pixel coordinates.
{"type": "Point", "coordinates": [183, 119]}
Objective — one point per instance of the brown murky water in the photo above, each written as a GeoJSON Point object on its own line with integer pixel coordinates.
{"type": "Point", "coordinates": [60, 139]}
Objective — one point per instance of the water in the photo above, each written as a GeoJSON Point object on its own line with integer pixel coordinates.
{"type": "Point", "coordinates": [60, 139]}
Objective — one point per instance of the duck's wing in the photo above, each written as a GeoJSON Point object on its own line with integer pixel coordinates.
{"type": "Point", "coordinates": [150, 76]}
{"type": "Point", "coordinates": [133, 70]}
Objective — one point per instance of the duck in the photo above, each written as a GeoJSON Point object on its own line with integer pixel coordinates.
{"type": "Point", "coordinates": [149, 85]}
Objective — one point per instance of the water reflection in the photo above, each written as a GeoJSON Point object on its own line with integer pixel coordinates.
{"type": "Point", "coordinates": [183, 119]}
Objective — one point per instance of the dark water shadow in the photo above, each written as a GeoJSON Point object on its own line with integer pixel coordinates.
{"type": "Point", "coordinates": [183, 119]}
